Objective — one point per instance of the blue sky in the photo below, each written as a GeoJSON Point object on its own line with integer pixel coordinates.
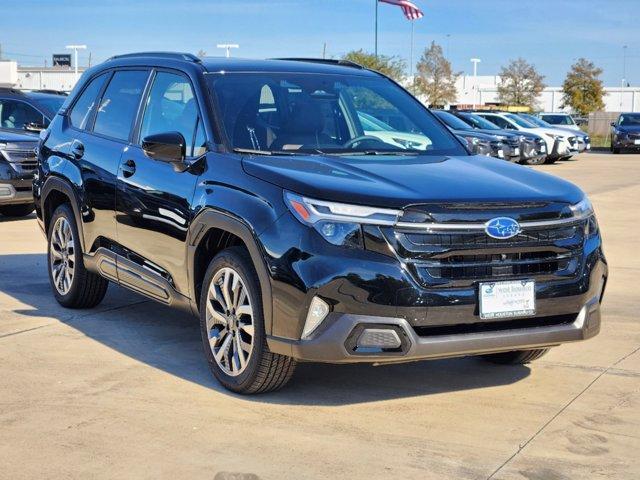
{"type": "Point", "coordinates": [549, 33]}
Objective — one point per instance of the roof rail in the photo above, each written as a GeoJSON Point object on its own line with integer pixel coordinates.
{"type": "Point", "coordinates": [330, 61]}
{"type": "Point", "coordinates": [189, 57]}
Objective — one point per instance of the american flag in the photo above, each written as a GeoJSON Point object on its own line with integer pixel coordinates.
{"type": "Point", "coordinates": [410, 10]}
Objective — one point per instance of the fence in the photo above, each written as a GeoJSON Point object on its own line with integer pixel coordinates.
{"type": "Point", "coordinates": [600, 123]}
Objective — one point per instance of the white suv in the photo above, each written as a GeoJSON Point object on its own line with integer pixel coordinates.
{"type": "Point", "coordinates": [562, 120]}
{"type": "Point", "coordinates": [560, 143]}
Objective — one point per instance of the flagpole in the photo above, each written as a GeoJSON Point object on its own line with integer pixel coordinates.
{"type": "Point", "coordinates": [413, 80]}
{"type": "Point", "coordinates": [376, 42]}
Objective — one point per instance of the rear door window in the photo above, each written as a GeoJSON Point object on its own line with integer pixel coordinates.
{"type": "Point", "coordinates": [119, 104]}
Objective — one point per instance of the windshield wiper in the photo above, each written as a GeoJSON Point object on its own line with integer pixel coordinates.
{"type": "Point", "coordinates": [251, 151]}
{"type": "Point", "coordinates": [376, 152]}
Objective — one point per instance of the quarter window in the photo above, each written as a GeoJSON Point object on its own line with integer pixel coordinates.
{"type": "Point", "coordinates": [171, 107]}
{"type": "Point", "coordinates": [16, 115]}
{"type": "Point", "coordinates": [119, 104]}
{"type": "Point", "coordinates": [81, 111]}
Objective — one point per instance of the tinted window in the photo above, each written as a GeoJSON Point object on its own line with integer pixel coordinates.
{"type": "Point", "coordinates": [119, 104]}
{"type": "Point", "coordinates": [476, 121]}
{"type": "Point", "coordinates": [451, 120]}
{"type": "Point", "coordinates": [558, 119]}
{"type": "Point", "coordinates": [17, 115]}
{"type": "Point", "coordinates": [347, 114]}
{"type": "Point", "coordinates": [629, 119]}
{"type": "Point", "coordinates": [84, 105]}
{"type": "Point", "coordinates": [171, 107]}
{"type": "Point", "coordinates": [520, 121]}
{"type": "Point", "coordinates": [499, 121]}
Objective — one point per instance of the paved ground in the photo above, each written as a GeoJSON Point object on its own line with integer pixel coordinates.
{"type": "Point", "coordinates": [123, 391]}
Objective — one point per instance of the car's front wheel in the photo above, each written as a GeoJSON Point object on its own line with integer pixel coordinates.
{"type": "Point", "coordinates": [73, 285]}
{"type": "Point", "coordinates": [519, 357]}
{"type": "Point", "coordinates": [233, 330]}
{"type": "Point", "coordinates": [21, 210]}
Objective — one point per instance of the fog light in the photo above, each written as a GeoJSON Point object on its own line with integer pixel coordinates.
{"type": "Point", "coordinates": [5, 192]}
{"type": "Point", "coordinates": [379, 338]}
{"type": "Point", "coordinates": [318, 310]}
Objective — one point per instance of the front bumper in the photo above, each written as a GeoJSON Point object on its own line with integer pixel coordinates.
{"type": "Point", "coordinates": [12, 195]}
{"type": "Point", "coordinates": [334, 343]}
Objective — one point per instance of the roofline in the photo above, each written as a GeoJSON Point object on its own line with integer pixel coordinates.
{"type": "Point", "coordinates": [329, 61]}
{"type": "Point", "coordinates": [187, 57]}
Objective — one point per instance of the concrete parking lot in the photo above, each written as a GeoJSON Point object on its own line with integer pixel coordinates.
{"type": "Point", "coordinates": [123, 391]}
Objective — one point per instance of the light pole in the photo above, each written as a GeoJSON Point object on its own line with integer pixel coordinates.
{"type": "Point", "coordinates": [475, 62]}
{"type": "Point", "coordinates": [228, 47]}
{"type": "Point", "coordinates": [75, 49]}
{"type": "Point", "coordinates": [624, 74]}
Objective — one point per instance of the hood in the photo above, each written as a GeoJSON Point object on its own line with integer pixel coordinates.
{"type": "Point", "coordinates": [474, 133]}
{"type": "Point", "coordinates": [399, 181]}
{"type": "Point", "coordinates": [16, 136]}
{"type": "Point", "coordinates": [572, 132]}
{"type": "Point", "coordinates": [628, 129]}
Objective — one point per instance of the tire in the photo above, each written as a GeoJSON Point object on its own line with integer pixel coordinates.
{"type": "Point", "coordinates": [246, 365]}
{"type": "Point", "coordinates": [534, 161]}
{"type": "Point", "coordinates": [81, 288]}
{"type": "Point", "coordinates": [615, 150]}
{"type": "Point", "coordinates": [519, 357]}
{"type": "Point", "coordinates": [21, 210]}
{"type": "Point", "coordinates": [549, 161]}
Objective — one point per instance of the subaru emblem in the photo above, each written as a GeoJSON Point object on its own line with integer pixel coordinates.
{"type": "Point", "coordinates": [502, 228]}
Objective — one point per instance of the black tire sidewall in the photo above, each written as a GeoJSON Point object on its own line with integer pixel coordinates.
{"type": "Point", "coordinates": [18, 210]}
{"type": "Point", "coordinates": [238, 259]}
{"type": "Point", "coordinates": [69, 299]}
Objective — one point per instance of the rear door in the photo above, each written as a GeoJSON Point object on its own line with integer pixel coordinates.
{"type": "Point", "coordinates": [153, 207]}
{"type": "Point", "coordinates": [99, 126]}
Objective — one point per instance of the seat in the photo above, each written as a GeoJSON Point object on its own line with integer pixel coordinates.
{"type": "Point", "coordinates": [303, 128]}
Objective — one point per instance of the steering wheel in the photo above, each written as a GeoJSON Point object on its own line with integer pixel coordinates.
{"type": "Point", "coordinates": [360, 139]}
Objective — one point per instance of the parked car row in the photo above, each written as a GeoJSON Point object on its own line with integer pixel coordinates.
{"type": "Point", "coordinates": [22, 116]}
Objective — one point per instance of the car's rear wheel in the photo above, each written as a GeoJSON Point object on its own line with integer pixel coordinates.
{"type": "Point", "coordinates": [615, 150]}
{"type": "Point", "coordinates": [516, 358]}
{"type": "Point", "coordinates": [232, 327]}
{"type": "Point", "coordinates": [21, 210]}
{"type": "Point", "coordinates": [73, 285]}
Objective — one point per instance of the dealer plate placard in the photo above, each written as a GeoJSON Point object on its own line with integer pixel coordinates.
{"type": "Point", "coordinates": [507, 299]}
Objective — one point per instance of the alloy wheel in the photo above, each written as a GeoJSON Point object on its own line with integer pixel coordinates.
{"type": "Point", "coordinates": [229, 321]}
{"type": "Point", "coordinates": [62, 256]}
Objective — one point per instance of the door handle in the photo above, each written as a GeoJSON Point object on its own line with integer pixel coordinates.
{"type": "Point", "coordinates": [77, 149]}
{"type": "Point", "coordinates": [128, 168]}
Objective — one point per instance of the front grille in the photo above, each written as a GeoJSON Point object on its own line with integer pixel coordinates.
{"type": "Point", "coordinates": [22, 158]}
{"type": "Point", "coordinates": [448, 258]}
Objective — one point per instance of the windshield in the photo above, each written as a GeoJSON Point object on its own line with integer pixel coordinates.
{"type": "Point", "coordinates": [535, 120]}
{"type": "Point", "coordinates": [629, 119]}
{"type": "Point", "coordinates": [289, 113]}
{"type": "Point", "coordinates": [476, 121]}
{"type": "Point", "coordinates": [520, 121]}
{"type": "Point", "coordinates": [451, 120]}
{"type": "Point", "coordinates": [558, 119]}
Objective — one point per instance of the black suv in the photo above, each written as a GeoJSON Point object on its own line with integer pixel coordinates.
{"type": "Point", "coordinates": [248, 193]}
{"type": "Point", "coordinates": [18, 163]}
{"type": "Point", "coordinates": [28, 110]}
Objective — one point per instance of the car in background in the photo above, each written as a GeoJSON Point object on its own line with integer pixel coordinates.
{"type": "Point", "coordinates": [563, 120]}
{"type": "Point", "coordinates": [582, 139]}
{"type": "Point", "coordinates": [625, 132]}
{"type": "Point", "coordinates": [533, 148]}
{"type": "Point", "coordinates": [18, 164]}
{"type": "Point", "coordinates": [374, 127]}
{"type": "Point", "coordinates": [558, 141]}
{"type": "Point", "coordinates": [28, 110]}
{"type": "Point", "coordinates": [477, 142]}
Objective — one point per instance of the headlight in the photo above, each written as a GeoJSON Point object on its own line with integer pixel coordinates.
{"type": "Point", "coordinates": [338, 223]}
{"type": "Point", "coordinates": [477, 146]}
{"type": "Point", "coordinates": [584, 210]}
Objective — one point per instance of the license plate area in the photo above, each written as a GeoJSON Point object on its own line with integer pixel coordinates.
{"type": "Point", "coordinates": [507, 299]}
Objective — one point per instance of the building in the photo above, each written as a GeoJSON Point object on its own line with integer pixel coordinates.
{"type": "Point", "coordinates": [13, 75]}
{"type": "Point", "coordinates": [483, 90]}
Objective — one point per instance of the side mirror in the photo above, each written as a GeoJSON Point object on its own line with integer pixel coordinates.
{"type": "Point", "coordinates": [613, 124]}
{"type": "Point", "coordinates": [167, 147]}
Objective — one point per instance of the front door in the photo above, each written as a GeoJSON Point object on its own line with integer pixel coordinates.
{"type": "Point", "coordinates": [153, 200]}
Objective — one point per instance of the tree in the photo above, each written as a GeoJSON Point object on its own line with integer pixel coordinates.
{"type": "Point", "coordinates": [520, 84]}
{"type": "Point", "coordinates": [436, 80]}
{"type": "Point", "coordinates": [393, 67]}
{"type": "Point", "coordinates": [582, 89]}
